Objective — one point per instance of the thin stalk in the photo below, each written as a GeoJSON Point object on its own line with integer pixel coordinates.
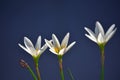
{"type": "Point", "coordinates": [25, 65]}
{"type": "Point", "coordinates": [102, 61]}
{"type": "Point", "coordinates": [70, 74]}
{"type": "Point", "coordinates": [32, 73]}
{"type": "Point", "coordinates": [61, 67]}
{"type": "Point", "coordinates": [37, 71]}
{"type": "Point", "coordinates": [36, 59]}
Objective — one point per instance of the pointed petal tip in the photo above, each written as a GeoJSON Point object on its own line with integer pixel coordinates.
{"type": "Point", "coordinates": [38, 43]}
{"type": "Point", "coordinates": [53, 35]}
{"type": "Point", "coordinates": [113, 24]}
{"type": "Point", "coordinates": [48, 40]}
{"type": "Point", "coordinates": [91, 38]}
{"type": "Point", "coordinates": [88, 30]}
{"type": "Point", "coordinates": [39, 36]}
{"type": "Point", "coordinates": [19, 44]}
{"type": "Point", "coordinates": [86, 34]}
{"type": "Point", "coordinates": [85, 28]}
{"type": "Point", "coordinates": [74, 42]}
{"type": "Point", "coordinates": [25, 37]}
{"type": "Point", "coordinates": [68, 33]}
{"type": "Point", "coordinates": [115, 30]}
{"type": "Point", "coordinates": [45, 40]}
{"type": "Point", "coordinates": [97, 22]}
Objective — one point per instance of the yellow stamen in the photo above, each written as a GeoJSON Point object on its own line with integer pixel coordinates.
{"type": "Point", "coordinates": [56, 50]}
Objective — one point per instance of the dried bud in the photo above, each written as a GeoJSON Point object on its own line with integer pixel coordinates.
{"type": "Point", "coordinates": [23, 64]}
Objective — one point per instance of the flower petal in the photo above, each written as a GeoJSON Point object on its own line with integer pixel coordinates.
{"type": "Point", "coordinates": [49, 44]}
{"type": "Point", "coordinates": [100, 38]}
{"type": "Point", "coordinates": [25, 49]}
{"type": "Point", "coordinates": [109, 30]}
{"type": "Point", "coordinates": [91, 38]}
{"type": "Point", "coordinates": [62, 51]}
{"type": "Point", "coordinates": [38, 43]}
{"type": "Point", "coordinates": [96, 31]}
{"type": "Point", "coordinates": [28, 43]}
{"type": "Point", "coordinates": [92, 34]}
{"type": "Point", "coordinates": [65, 40]}
{"type": "Point", "coordinates": [55, 41]}
{"type": "Point", "coordinates": [43, 48]}
{"type": "Point", "coordinates": [110, 35]}
{"type": "Point", "coordinates": [70, 46]}
{"type": "Point", "coordinates": [51, 50]}
{"type": "Point", "coordinates": [100, 28]}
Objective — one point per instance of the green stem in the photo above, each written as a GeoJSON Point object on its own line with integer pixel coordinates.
{"type": "Point", "coordinates": [36, 59]}
{"type": "Point", "coordinates": [71, 75]}
{"type": "Point", "coordinates": [102, 61]}
{"type": "Point", "coordinates": [61, 67]}
{"type": "Point", "coordinates": [32, 73]}
{"type": "Point", "coordinates": [37, 71]}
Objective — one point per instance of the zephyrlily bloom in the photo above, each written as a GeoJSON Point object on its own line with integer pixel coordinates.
{"type": "Point", "coordinates": [34, 51]}
{"type": "Point", "coordinates": [100, 37]}
{"type": "Point", "coordinates": [55, 46]}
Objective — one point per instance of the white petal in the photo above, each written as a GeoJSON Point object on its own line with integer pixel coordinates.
{"type": "Point", "coordinates": [90, 32]}
{"type": "Point", "coordinates": [38, 43]}
{"type": "Point", "coordinates": [91, 38]}
{"type": "Point", "coordinates": [62, 51]}
{"type": "Point", "coordinates": [28, 44]}
{"type": "Point", "coordinates": [55, 41]}
{"type": "Point", "coordinates": [65, 40]}
{"type": "Point", "coordinates": [96, 31]}
{"type": "Point", "coordinates": [37, 53]}
{"type": "Point", "coordinates": [110, 35]}
{"type": "Point", "coordinates": [49, 44]}
{"type": "Point", "coordinates": [25, 49]}
{"type": "Point", "coordinates": [100, 38]}
{"type": "Point", "coordinates": [110, 30]}
{"type": "Point", "coordinates": [53, 51]}
{"type": "Point", "coordinates": [43, 48]}
{"type": "Point", "coordinates": [33, 51]}
{"type": "Point", "coordinates": [100, 28]}
{"type": "Point", "coordinates": [70, 46]}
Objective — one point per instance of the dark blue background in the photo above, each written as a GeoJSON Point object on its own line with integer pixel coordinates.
{"type": "Point", "coordinates": [31, 18]}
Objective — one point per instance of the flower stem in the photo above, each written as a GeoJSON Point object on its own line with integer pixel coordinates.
{"type": "Point", "coordinates": [61, 67]}
{"type": "Point", "coordinates": [37, 71]}
{"type": "Point", "coordinates": [37, 67]}
{"type": "Point", "coordinates": [70, 74]}
{"type": "Point", "coordinates": [102, 61]}
{"type": "Point", "coordinates": [32, 73]}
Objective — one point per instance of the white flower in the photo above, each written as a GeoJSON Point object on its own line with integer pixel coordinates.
{"type": "Point", "coordinates": [34, 51]}
{"type": "Point", "coordinates": [100, 37]}
{"type": "Point", "coordinates": [55, 46]}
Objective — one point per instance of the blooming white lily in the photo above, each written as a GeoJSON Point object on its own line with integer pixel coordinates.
{"type": "Point", "coordinates": [34, 51]}
{"type": "Point", "coordinates": [100, 37]}
{"type": "Point", "coordinates": [55, 46]}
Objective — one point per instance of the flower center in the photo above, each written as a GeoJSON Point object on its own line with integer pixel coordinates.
{"type": "Point", "coordinates": [57, 50]}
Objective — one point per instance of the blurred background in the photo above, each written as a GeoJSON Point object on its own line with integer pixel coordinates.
{"type": "Point", "coordinates": [31, 18]}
